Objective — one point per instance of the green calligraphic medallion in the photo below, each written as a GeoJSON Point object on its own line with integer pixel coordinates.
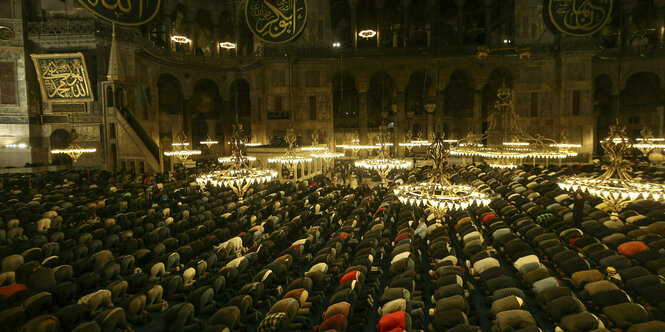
{"type": "Point", "coordinates": [577, 17]}
{"type": "Point", "coordinates": [6, 33]}
{"type": "Point", "coordinates": [124, 12]}
{"type": "Point", "coordinates": [63, 78]}
{"type": "Point", "coordinates": [276, 21]}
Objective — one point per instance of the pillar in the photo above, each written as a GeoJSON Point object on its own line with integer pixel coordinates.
{"type": "Point", "coordinates": [400, 120]}
{"type": "Point", "coordinates": [353, 6]}
{"type": "Point", "coordinates": [405, 21]}
{"type": "Point", "coordinates": [362, 112]}
{"type": "Point", "coordinates": [378, 5]}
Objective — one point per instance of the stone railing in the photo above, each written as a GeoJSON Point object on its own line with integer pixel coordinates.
{"type": "Point", "coordinates": [62, 28]}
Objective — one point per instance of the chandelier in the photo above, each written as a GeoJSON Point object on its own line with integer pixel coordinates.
{"type": "Point", "coordinates": [180, 39]}
{"type": "Point", "coordinates": [238, 177]}
{"type": "Point", "coordinates": [414, 142]}
{"type": "Point", "coordinates": [232, 159]}
{"type": "Point", "coordinates": [290, 159]}
{"type": "Point", "coordinates": [367, 34]}
{"type": "Point", "coordinates": [315, 144]}
{"type": "Point", "coordinates": [325, 155]}
{"type": "Point", "coordinates": [74, 151]}
{"type": "Point", "coordinates": [209, 142]}
{"type": "Point", "coordinates": [516, 145]}
{"type": "Point", "coordinates": [355, 145]}
{"type": "Point", "coordinates": [647, 143]}
{"type": "Point", "coordinates": [227, 45]}
{"type": "Point", "coordinates": [382, 163]}
{"type": "Point", "coordinates": [438, 193]}
{"type": "Point", "coordinates": [615, 186]}
{"type": "Point", "coordinates": [184, 153]}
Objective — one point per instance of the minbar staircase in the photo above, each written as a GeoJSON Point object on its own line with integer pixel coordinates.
{"type": "Point", "coordinates": [130, 126]}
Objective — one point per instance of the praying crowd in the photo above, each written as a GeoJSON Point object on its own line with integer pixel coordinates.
{"type": "Point", "coordinates": [81, 253]}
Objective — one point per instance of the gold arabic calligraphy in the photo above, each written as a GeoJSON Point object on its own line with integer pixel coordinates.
{"type": "Point", "coordinates": [120, 7]}
{"type": "Point", "coordinates": [65, 79]}
{"type": "Point", "coordinates": [276, 21]}
{"type": "Point", "coordinates": [579, 17]}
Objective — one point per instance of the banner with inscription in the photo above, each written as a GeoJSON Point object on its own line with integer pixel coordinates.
{"type": "Point", "coordinates": [63, 78]}
{"type": "Point", "coordinates": [124, 12]}
{"type": "Point", "coordinates": [577, 17]}
{"type": "Point", "coordinates": [276, 21]}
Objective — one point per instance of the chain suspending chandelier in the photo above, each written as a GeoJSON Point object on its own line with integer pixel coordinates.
{"type": "Point", "coordinates": [74, 151]}
{"type": "Point", "coordinates": [438, 193]}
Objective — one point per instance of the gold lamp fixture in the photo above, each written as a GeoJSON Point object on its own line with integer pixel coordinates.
{"type": "Point", "coordinates": [383, 164]}
{"type": "Point", "coordinates": [517, 144]}
{"type": "Point", "coordinates": [355, 145]}
{"type": "Point", "coordinates": [227, 45]}
{"type": "Point", "coordinates": [289, 158]}
{"type": "Point", "coordinates": [315, 143]}
{"type": "Point", "coordinates": [180, 39]}
{"type": "Point", "coordinates": [647, 143]}
{"type": "Point", "coordinates": [325, 155]}
{"type": "Point", "coordinates": [184, 152]}
{"type": "Point", "coordinates": [438, 193]}
{"type": "Point", "coordinates": [209, 142]}
{"type": "Point", "coordinates": [74, 151]}
{"type": "Point", "coordinates": [615, 186]}
{"type": "Point", "coordinates": [239, 177]}
{"type": "Point", "coordinates": [367, 33]}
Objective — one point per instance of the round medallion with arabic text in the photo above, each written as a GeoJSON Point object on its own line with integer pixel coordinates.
{"type": "Point", "coordinates": [578, 17]}
{"type": "Point", "coordinates": [6, 33]}
{"type": "Point", "coordinates": [276, 21]}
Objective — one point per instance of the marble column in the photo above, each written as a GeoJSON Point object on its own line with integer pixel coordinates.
{"type": "Point", "coordinates": [405, 22]}
{"type": "Point", "coordinates": [378, 5]}
{"type": "Point", "coordinates": [353, 6]}
{"type": "Point", "coordinates": [400, 120]}
{"type": "Point", "coordinates": [362, 112]}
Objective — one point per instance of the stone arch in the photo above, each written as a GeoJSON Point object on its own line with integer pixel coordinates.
{"type": "Point", "coordinates": [380, 97]}
{"type": "Point", "coordinates": [604, 107]}
{"type": "Point", "coordinates": [60, 139]}
{"type": "Point", "coordinates": [204, 104]}
{"type": "Point", "coordinates": [157, 31]}
{"type": "Point", "coordinates": [240, 88]}
{"type": "Point", "coordinates": [458, 95]}
{"type": "Point", "coordinates": [169, 94]}
{"type": "Point", "coordinates": [203, 39]}
{"type": "Point", "coordinates": [418, 92]}
{"type": "Point", "coordinates": [639, 100]}
{"type": "Point", "coordinates": [345, 101]}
